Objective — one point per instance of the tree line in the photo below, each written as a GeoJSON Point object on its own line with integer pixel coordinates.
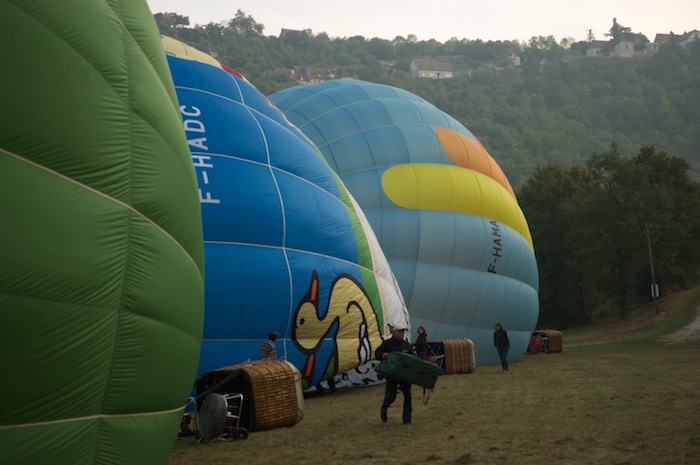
{"type": "Point", "coordinates": [555, 107]}
{"type": "Point", "coordinates": [584, 141]}
{"type": "Point", "coordinates": [599, 228]}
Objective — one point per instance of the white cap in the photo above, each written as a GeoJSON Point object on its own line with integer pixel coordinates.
{"type": "Point", "coordinates": [399, 327]}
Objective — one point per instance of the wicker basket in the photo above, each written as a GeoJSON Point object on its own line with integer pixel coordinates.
{"type": "Point", "coordinates": [276, 394]}
{"type": "Point", "coordinates": [459, 356]}
{"type": "Point", "coordinates": [554, 340]}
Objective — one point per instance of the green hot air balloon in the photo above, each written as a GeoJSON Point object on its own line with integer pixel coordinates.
{"type": "Point", "coordinates": [101, 252]}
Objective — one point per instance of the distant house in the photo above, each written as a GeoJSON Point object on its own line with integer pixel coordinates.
{"type": "Point", "coordinates": [515, 59]}
{"type": "Point", "coordinates": [289, 72]}
{"type": "Point", "coordinates": [294, 32]}
{"type": "Point", "coordinates": [597, 48]}
{"type": "Point", "coordinates": [311, 75]}
{"type": "Point", "coordinates": [688, 37]}
{"type": "Point", "coordinates": [430, 69]}
{"type": "Point", "coordinates": [626, 46]}
{"type": "Point", "coordinates": [663, 38]}
{"type": "Point", "coordinates": [682, 40]}
{"type": "Point", "coordinates": [624, 49]}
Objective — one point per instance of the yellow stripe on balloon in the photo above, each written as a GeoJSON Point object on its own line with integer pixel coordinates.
{"type": "Point", "coordinates": [468, 153]}
{"type": "Point", "coordinates": [451, 188]}
{"type": "Point", "coordinates": [181, 50]}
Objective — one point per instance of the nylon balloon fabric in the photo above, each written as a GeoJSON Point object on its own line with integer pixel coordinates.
{"type": "Point", "coordinates": [442, 209]}
{"type": "Point", "coordinates": [287, 248]}
{"type": "Point", "coordinates": [101, 253]}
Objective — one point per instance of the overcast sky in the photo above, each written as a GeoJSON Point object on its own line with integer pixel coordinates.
{"type": "Point", "coordinates": [444, 19]}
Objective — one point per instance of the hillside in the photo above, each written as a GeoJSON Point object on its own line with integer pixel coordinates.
{"type": "Point", "coordinates": [678, 321]}
{"type": "Point", "coordinates": [530, 104]}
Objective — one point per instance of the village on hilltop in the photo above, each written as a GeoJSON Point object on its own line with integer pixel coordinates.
{"type": "Point", "coordinates": [622, 43]}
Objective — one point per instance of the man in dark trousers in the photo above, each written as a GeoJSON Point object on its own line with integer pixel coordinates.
{"type": "Point", "coordinates": [395, 343]}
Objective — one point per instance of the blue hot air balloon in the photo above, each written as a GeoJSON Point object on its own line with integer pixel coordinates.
{"type": "Point", "coordinates": [287, 249]}
{"type": "Point", "coordinates": [442, 209]}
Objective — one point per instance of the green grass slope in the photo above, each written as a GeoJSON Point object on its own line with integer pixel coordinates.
{"type": "Point", "coordinates": [615, 395]}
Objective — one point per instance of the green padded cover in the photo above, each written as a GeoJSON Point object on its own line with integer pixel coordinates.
{"type": "Point", "coordinates": [408, 368]}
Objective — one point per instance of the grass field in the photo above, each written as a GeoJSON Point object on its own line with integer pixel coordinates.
{"type": "Point", "coordinates": [613, 396]}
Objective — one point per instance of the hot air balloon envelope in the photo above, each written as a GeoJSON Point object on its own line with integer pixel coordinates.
{"type": "Point", "coordinates": [287, 248]}
{"type": "Point", "coordinates": [442, 209]}
{"type": "Point", "coordinates": [101, 252]}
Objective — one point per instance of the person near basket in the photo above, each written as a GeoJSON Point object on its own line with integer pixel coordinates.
{"type": "Point", "coordinates": [268, 349]}
{"type": "Point", "coordinates": [395, 343]}
{"type": "Point", "coordinates": [422, 343]}
{"type": "Point", "coordinates": [500, 340]}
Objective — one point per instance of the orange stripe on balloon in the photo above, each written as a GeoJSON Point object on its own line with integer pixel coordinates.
{"type": "Point", "coordinates": [472, 155]}
{"type": "Point", "coordinates": [314, 289]}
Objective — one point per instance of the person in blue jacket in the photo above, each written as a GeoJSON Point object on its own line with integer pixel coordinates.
{"type": "Point", "coordinates": [396, 342]}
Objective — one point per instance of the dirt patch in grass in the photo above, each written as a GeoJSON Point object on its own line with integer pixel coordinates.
{"type": "Point", "coordinates": [682, 306]}
{"type": "Point", "coordinates": [688, 333]}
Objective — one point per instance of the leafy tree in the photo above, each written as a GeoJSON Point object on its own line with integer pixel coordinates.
{"type": "Point", "coordinates": [380, 48]}
{"type": "Point", "coordinates": [169, 22]}
{"type": "Point", "coordinates": [620, 223]}
{"type": "Point", "coordinates": [245, 24]}
{"type": "Point", "coordinates": [590, 224]}
{"type": "Point", "coordinates": [553, 200]}
{"type": "Point", "coordinates": [672, 204]}
{"type": "Point", "coordinates": [617, 31]}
